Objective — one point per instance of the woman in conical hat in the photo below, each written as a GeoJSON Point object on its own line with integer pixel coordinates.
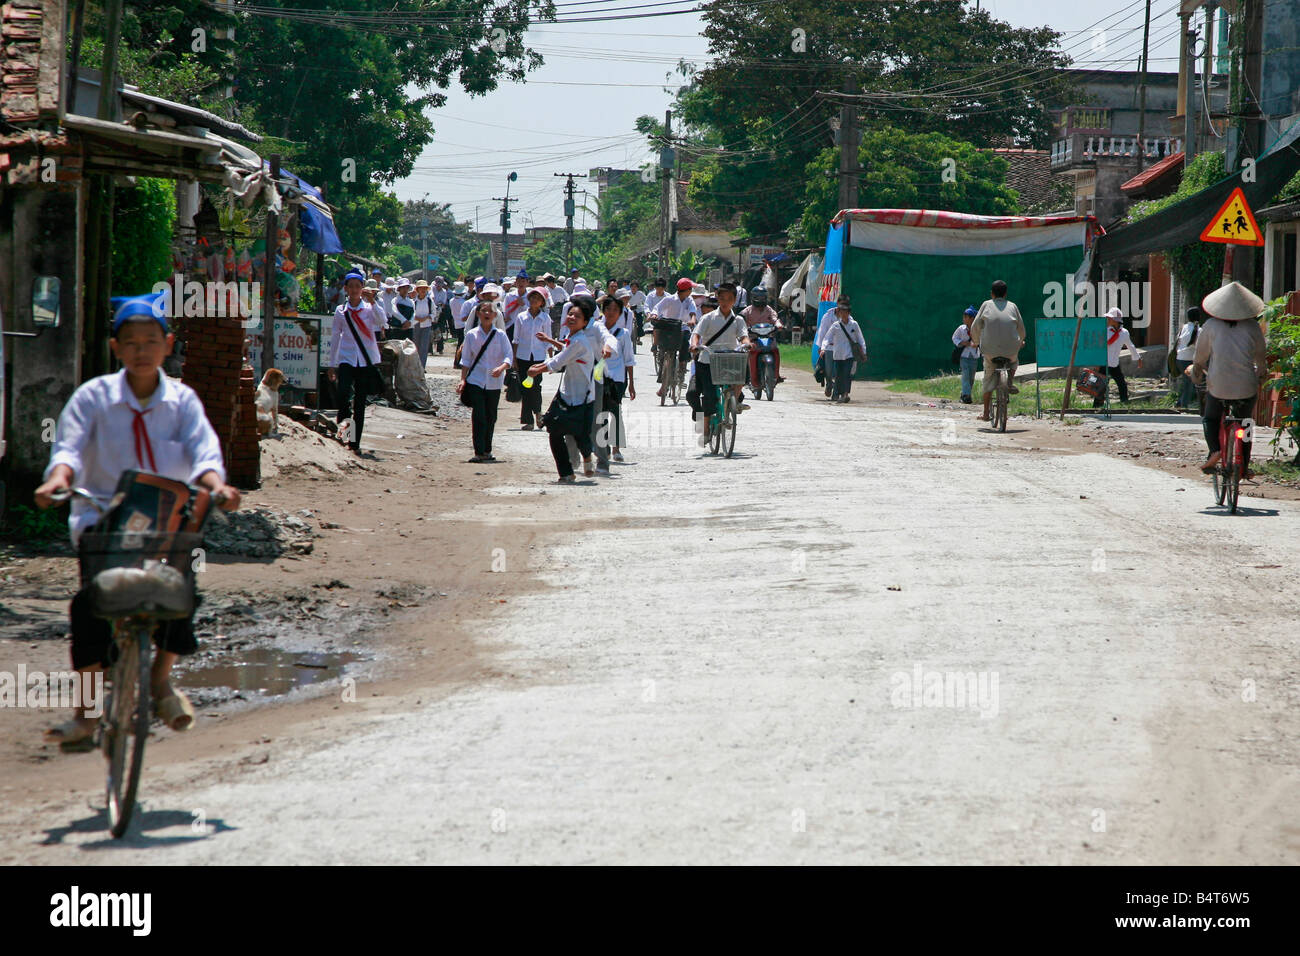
{"type": "Point", "coordinates": [1231, 361]}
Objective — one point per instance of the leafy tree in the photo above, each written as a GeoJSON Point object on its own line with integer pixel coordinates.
{"type": "Point", "coordinates": [1197, 265]}
{"type": "Point", "coordinates": [903, 170]}
{"type": "Point", "coordinates": [144, 216]}
{"type": "Point", "coordinates": [754, 123]}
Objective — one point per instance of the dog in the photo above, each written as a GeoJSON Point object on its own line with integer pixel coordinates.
{"type": "Point", "coordinates": [268, 402]}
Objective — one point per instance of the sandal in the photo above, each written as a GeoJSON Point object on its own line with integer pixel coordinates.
{"type": "Point", "coordinates": [176, 711]}
{"type": "Point", "coordinates": [72, 736]}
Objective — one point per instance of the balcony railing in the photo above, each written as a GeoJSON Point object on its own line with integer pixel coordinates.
{"type": "Point", "coordinates": [1084, 148]}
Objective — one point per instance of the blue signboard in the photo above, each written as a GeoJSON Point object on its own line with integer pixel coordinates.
{"type": "Point", "coordinates": [1055, 338]}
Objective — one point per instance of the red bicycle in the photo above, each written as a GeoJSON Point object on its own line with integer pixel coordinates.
{"type": "Point", "coordinates": [1234, 433]}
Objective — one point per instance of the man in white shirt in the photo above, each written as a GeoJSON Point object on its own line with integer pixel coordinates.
{"type": "Point", "coordinates": [1117, 338]}
{"type": "Point", "coordinates": [1186, 353]}
{"type": "Point", "coordinates": [354, 344]}
{"type": "Point", "coordinates": [843, 341]}
{"type": "Point", "coordinates": [387, 293]}
{"type": "Point", "coordinates": [558, 299]}
{"type": "Point", "coordinates": [618, 382]}
{"type": "Point", "coordinates": [722, 329]}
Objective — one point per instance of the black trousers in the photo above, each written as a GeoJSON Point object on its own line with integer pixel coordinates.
{"type": "Point", "coordinates": [92, 637]}
{"type": "Point", "coordinates": [843, 376]}
{"type": "Point", "coordinates": [577, 423]}
{"type": "Point", "coordinates": [352, 399]}
{"type": "Point", "coordinates": [460, 340]}
{"type": "Point", "coordinates": [1118, 375]}
{"type": "Point", "coordinates": [1212, 418]}
{"type": "Point", "coordinates": [702, 392]}
{"type": "Point", "coordinates": [530, 406]}
{"type": "Point", "coordinates": [483, 416]}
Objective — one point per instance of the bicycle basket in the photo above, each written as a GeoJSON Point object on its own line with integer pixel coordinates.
{"type": "Point", "coordinates": [728, 368]}
{"type": "Point", "coordinates": [140, 572]}
{"type": "Point", "coordinates": [670, 326]}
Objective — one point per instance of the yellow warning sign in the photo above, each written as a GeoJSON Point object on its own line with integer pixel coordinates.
{"type": "Point", "coordinates": [1234, 223]}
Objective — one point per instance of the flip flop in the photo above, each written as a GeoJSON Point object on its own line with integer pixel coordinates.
{"type": "Point", "coordinates": [176, 711]}
{"type": "Point", "coordinates": [72, 736]}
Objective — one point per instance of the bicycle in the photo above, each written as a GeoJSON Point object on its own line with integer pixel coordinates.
{"type": "Point", "coordinates": [137, 578]}
{"type": "Point", "coordinates": [1001, 394]}
{"type": "Point", "coordinates": [667, 364]}
{"type": "Point", "coordinates": [1229, 471]}
{"type": "Point", "coordinates": [726, 368]}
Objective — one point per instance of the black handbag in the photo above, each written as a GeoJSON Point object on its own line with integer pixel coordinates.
{"type": "Point", "coordinates": [514, 393]}
{"type": "Point", "coordinates": [369, 379]}
{"type": "Point", "coordinates": [464, 399]}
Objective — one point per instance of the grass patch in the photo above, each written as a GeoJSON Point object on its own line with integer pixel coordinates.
{"type": "Point", "coordinates": [1277, 469]}
{"type": "Point", "coordinates": [33, 526]}
{"type": "Point", "coordinates": [1053, 392]}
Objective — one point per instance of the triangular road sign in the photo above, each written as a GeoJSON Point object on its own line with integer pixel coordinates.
{"type": "Point", "coordinates": [1234, 223]}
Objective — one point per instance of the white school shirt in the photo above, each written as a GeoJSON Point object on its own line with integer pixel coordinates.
{"type": "Point", "coordinates": [426, 310]}
{"type": "Point", "coordinates": [638, 300]}
{"type": "Point", "coordinates": [343, 347]}
{"type": "Point", "coordinates": [457, 305]}
{"type": "Point", "coordinates": [840, 338]}
{"type": "Point", "coordinates": [400, 300]}
{"type": "Point", "coordinates": [623, 357]}
{"type": "Point", "coordinates": [578, 363]}
{"type": "Point", "coordinates": [1187, 342]}
{"type": "Point", "coordinates": [653, 299]}
{"type": "Point", "coordinates": [527, 345]}
{"type": "Point", "coordinates": [98, 439]}
{"type": "Point", "coordinates": [439, 296]}
{"type": "Point", "coordinates": [675, 308]}
{"type": "Point", "coordinates": [961, 336]}
{"type": "Point", "coordinates": [498, 351]}
{"type": "Point", "coordinates": [1121, 340]}
{"type": "Point", "coordinates": [557, 294]}
{"type": "Point", "coordinates": [714, 322]}
{"type": "Point", "coordinates": [514, 305]}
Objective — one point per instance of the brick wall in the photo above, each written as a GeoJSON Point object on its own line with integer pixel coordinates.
{"type": "Point", "coordinates": [214, 364]}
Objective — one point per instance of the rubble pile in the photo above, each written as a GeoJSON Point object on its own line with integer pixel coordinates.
{"type": "Point", "coordinates": [260, 533]}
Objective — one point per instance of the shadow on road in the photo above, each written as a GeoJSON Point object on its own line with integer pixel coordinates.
{"type": "Point", "coordinates": [137, 835]}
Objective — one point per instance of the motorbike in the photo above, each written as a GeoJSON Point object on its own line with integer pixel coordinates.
{"type": "Point", "coordinates": [763, 338]}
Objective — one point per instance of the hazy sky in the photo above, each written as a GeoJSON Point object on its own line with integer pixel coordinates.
{"type": "Point", "coordinates": [577, 111]}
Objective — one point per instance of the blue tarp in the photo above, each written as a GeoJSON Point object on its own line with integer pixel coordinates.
{"type": "Point", "coordinates": [317, 227]}
{"type": "Point", "coordinates": [832, 264]}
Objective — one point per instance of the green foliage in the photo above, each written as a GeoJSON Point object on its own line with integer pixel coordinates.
{"type": "Point", "coordinates": [143, 218]}
{"type": "Point", "coordinates": [903, 170]}
{"type": "Point", "coordinates": [35, 526]}
{"type": "Point", "coordinates": [184, 79]}
{"type": "Point", "coordinates": [754, 128]}
{"type": "Point", "coordinates": [1197, 265]}
{"type": "Point", "coordinates": [368, 221]}
{"type": "Point", "coordinates": [1283, 340]}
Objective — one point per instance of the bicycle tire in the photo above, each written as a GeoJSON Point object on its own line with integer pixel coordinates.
{"type": "Point", "coordinates": [769, 381]}
{"type": "Point", "coordinates": [1233, 480]}
{"type": "Point", "coordinates": [659, 374]}
{"type": "Point", "coordinates": [1222, 472]}
{"type": "Point", "coordinates": [676, 386]}
{"type": "Point", "coordinates": [128, 730]}
{"type": "Point", "coordinates": [729, 415]}
{"type": "Point", "coordinates": [1220, 485]}
{"type": "Point", "coordinates": [715, 431]}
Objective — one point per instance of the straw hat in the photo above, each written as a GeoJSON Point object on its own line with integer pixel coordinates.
{"type": "Point", "coordinates": [1232, 303]}
{"type": "Point", "coordinates": [422, 284]}
{"type": "Point", "coordinates": [372, 285]}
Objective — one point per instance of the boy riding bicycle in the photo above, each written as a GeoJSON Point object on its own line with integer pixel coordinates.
{"type": "Point", "coordinates": [134, 419]}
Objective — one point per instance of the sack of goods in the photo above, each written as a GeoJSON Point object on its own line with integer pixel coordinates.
{"type": "Point", "coordinates": [1090, 383]}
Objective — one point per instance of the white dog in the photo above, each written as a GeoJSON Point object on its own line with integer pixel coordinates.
{"type": "Point", "coordinates": [268, 402]}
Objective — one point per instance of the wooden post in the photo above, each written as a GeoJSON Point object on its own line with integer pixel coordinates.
{"type": "Point", "coordinates": [269, 287]}
{"type": "Point", "coordinates": [320, 273]}
{"type": "Point", "coordinates": [1069, 369]}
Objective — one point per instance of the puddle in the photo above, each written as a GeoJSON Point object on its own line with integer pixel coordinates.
{"type": "Point", "coordinates": [269, 671]}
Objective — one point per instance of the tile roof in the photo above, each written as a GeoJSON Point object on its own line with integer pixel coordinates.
{"type": "Point", "coordinates": [1169, 167]}
{"type": "Point", "coordinates": [1029, 173]}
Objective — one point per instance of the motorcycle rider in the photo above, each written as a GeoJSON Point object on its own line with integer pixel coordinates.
{"type": "Point", "coordinates": [757, 313]}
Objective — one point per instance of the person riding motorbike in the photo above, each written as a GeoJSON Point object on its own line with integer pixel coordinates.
{"type": "Point", "coordinates": [1231, 362]}
{"type": "Point", "coordinates": [757, 313]}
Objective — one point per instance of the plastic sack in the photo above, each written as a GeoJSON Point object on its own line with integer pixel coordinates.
{"type": "Point", "coordinates": [408, 377]}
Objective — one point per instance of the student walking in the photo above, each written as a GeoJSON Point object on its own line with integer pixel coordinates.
{"type": "Point", "coordinates": [1117, 338]}
{"type": "Point", "coordinates": [617, 382]}
{"type": "Point", "coordinates": [484, 359]}
{"type": "Point", "coordinates": [354, 352]}
{"type": "Point", "coordinates": [970, 353]}
{"type": "Point", "coordinates": [844, 342]}
{"type": "Point", "coordinates": [424, 314]}
{"type": "Point", "coordinates": [572, 410]}
{"type": "Point", "coordinates": [532, 329]}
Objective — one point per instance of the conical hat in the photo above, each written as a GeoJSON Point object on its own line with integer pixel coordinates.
{"type": "Point", "coordinates": [1232, 303]}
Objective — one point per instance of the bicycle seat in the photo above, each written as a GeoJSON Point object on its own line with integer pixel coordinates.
{"type": "Point", "coordinates": [156, 588]}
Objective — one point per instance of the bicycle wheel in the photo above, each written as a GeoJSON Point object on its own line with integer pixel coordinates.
{"type": "Point", "coordinates": [1222, 473]}
{"type": "Point", "coordinates": [769, 380]}
{"type": "Point", "coordinates": [729, 425]}
{"type": "Point", "coordinates": [1220, 485]}
{"type": "Point", "coordinates": [126, 726]}
{"type": "Point", "coordinates": [1233, 479]}
{"type": "Point", "coordinates": [659, 373]}
{"type": "Point", "coordinates": [715, 430]}
{"type": "Point", "coordinates": [674, 377]}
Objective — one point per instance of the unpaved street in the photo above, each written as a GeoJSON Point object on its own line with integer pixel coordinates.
{"type": "Point", "coordinates": [707, 661]}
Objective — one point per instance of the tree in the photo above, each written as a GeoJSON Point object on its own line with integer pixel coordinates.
{"type": "Point", "coordinates": [908, 171]}
{"type": "Point", "coordinates": [754, 122]}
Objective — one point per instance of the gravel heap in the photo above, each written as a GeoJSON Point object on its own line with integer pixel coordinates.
{"type": "Point", "coordinates": [259, 533]}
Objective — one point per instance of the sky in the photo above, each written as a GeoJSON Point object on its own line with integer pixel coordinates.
{"type": "Point", "coordinates": [578, 111]}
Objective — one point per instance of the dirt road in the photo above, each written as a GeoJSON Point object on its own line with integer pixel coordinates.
{"type": "Point", "coordinates": [876, 635]}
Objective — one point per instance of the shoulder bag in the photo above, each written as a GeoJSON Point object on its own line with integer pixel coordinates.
{"type": "Point", "coordinates": [370, 378]}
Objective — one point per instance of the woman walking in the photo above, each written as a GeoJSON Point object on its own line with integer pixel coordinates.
{"type": "Point", "coordinates": [484, 359]}
{"type": "Point", "coordinates": [572, 411]}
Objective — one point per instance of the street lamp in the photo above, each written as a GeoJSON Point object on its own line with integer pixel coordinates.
{"type": "Point", "coordinates": [505, 224]}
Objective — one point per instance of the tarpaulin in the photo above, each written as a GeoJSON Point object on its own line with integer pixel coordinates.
{"type": "Point", "coordinates": [314, 219]}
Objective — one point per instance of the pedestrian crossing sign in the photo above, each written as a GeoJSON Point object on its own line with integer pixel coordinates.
{"type": "Point", "coordinates": [1234, 223]}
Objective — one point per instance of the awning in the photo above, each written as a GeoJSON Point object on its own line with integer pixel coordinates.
{"type": "Point", "coordinates": [315, 220]}
{"type": "Point", "coordinates": [190, 115]}
{"type": "Point", "coordinates": [148, 152]}
{"type": "Point", "coordinates": [1154, 175]}
{"type": "Point", "coordinates": [1183, 222]}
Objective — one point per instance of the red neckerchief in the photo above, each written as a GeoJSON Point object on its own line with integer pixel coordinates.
{"type": "Point", "coordinates": [1114, 334]}
{"type": "Point", "coordinates": [360, 326]}
{"type": "Point", "coordinates": [141, 435]}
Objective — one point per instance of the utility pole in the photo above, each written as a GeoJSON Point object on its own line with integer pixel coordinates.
{"type": "Point", "coordinates": [1189, 97]}
{"type": "Point", "coordinates": [665, 197]}
{"type": "Point", "coordinates": [1142, 92]}
{"type": "Point", "coordinates": [269, 289]}
{"type": "Point", "coordinates": [424, 248]}
{"type": "Point", "coordinates": [849, 145]}
{"type": "Point", "coordinates": [569, 210]}
{"type": "Point", "coordinates": [505, 223]}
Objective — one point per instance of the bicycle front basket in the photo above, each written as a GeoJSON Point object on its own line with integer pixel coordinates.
{"type": "Point", "coordinates": [728, 368]}
{"type": "Point", "coordinates": [164, 589]}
